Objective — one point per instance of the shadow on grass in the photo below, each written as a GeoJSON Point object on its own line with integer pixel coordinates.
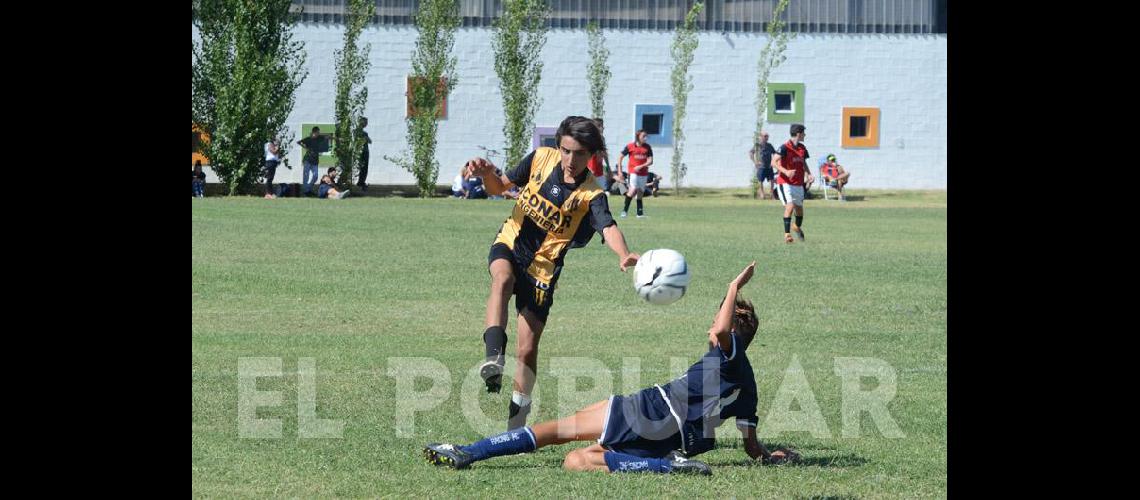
{"type": "Point", "coordinates": [508, 465]}
{"type": "Point", "coordinates": [809, 457]}
{"type": "Point", "coordinates": [813, 197]}
{"type": "Point", "coordinates": [847, 460]}
{"type": "Point", "coordinates": [854, 197]}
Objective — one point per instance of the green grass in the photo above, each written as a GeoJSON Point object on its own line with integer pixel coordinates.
{"type": "Point", "coordinates": [352, 283]}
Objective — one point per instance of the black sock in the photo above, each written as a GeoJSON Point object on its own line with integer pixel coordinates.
{"type": "Point", "coordinates": [787, 224]}
{"type": "Point", "coordinates": [626, 209]}
{"type": "Point", "coordinates": [495, 339]}
{"type": "Point", "coordinates": [516, 416]}
{"type": "Point", "coordinates": [800, 221]}
{"type": "Point", "coordinates": [639, 211]}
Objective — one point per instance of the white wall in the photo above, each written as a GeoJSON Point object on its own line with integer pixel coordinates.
{"type": "Point", "coordinates": [903, 75]}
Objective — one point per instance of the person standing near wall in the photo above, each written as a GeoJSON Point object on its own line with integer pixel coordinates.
{"type": "Point", "coordinates": [314, 145]}
{"type": "Point", "coordinates": [364, 155]}
{"type": "Point", "coordinates": [761, 156]}
{"type": "Point", "coordinates": [271, 162]}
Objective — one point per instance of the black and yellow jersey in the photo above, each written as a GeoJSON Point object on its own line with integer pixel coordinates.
{"type": "Point", "coordinates": [551, 216]}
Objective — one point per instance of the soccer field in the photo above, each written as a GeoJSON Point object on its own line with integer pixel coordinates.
{"type": "Point", "coordinates": [356, 287]}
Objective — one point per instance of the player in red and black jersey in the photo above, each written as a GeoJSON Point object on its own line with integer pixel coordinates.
{"type": "Point", "coordinates": [640, 155]}
{"type": "Point", "coordinates": [791, 161]}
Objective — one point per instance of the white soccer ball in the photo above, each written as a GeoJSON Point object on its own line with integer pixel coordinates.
{"type": "Point", "coordinates": [661, 276]}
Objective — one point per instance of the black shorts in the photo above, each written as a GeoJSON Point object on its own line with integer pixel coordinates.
{"type": "Point", "coordinates": [641, 425]}
{"type": "Point", "coordinates": [527, 294]}
{"type": "Point", "coordinates": [765, 174]}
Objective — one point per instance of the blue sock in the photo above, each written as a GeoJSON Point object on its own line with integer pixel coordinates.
{"type": "Point", "coordinates": [620, 462]}
{"type": "Point", "coordinates": [512, 442]}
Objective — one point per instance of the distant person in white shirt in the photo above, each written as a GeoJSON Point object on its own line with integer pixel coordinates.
{"type": "Point", "coordinates": [271, 162]}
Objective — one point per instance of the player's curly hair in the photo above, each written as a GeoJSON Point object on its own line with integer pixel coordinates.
{"type": "Point", "coordinates": [745, 321]}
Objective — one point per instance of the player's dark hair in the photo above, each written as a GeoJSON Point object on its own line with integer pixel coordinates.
{"type": "Point", "coordinates": [583, 130]}
{"type": "Point", "coordinates": [316, 129]}
{"type": "Point", "coordinates": [744, 321]}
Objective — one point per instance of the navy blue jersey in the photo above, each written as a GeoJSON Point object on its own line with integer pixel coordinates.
{"type": "Point", "coordinates": [717, 387]}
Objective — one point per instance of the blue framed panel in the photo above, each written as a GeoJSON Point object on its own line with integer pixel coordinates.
{"type": "Point", "coordinates": [655, 115]}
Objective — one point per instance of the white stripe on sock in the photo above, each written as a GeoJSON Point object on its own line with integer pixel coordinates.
{"type": "Point", "coordinates": [530, 433]}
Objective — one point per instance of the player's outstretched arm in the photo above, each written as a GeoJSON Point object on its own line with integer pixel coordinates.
{"type": "Point", "coordinates": [616, 241]}
{"type": "Point", "coordinates": [753, 447]}
{"type": "Point", "coordinates": [757, 451]}
{"type": "Point", "coordinates": [721, 331]}
{"type": "Point", "coordinates": [493, 184]}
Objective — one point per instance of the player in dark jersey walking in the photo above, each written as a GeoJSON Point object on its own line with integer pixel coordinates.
{"type": "Point", "coordinates": [560, 206]}
{"type": "Point", "coordinates": [641, 432]}
{"type": "Point", "coordinates": [791, 161]}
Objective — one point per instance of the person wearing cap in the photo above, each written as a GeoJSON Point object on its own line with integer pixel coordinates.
{"type": "Point", "coordinates": [791, 162]}
{"type": "Point", "coordinates": [834, 175]}
{"type": "Point", "coordinates": [761, 156]}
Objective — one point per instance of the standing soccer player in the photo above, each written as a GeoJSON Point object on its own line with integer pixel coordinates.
{"type": "Point", "coordinates": [791, 161]}
{"type": "Point", "coordinates": [559, 207]}
{"type": "Point", "coordinates": [640, 155]}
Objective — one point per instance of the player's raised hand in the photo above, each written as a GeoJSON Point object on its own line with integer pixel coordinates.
{"type": "Point", "coordinates": [745, 275]}
{"type": "Point", "coordinates": [629, 260]}
{"type": "Point", "coordinates": [479, 166]}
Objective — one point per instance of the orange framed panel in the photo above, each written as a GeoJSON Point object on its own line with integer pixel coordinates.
{"type": "Point", "coordinates": [871, 140]}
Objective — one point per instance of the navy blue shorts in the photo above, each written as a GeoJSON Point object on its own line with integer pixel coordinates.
{"type": "Point", "coordinates": [765, 174]}
{"type": "Point", "coordinates": [641, 425]}
{"type": "Point", "coordinates": [323, 191]}
{"type": "Point", "coordinates": [527, 294]}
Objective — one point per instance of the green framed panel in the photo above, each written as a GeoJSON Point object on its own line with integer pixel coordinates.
{"type": "Point", "coordinates": [797, 114]}
{"type": "Point", "coordinates": [327, 159]}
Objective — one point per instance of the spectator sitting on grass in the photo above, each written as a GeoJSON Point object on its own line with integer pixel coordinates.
{"type": "Point", "coordinates": [473, 188]}
{"type": "Point", "coordinates": [328, 186]}
{"type": "Point", "coordinates": [652, 183]}
{"type": "Point", "coordinates": [617, 184]}
{"type": "Point", "coordinates": [457, 183]}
